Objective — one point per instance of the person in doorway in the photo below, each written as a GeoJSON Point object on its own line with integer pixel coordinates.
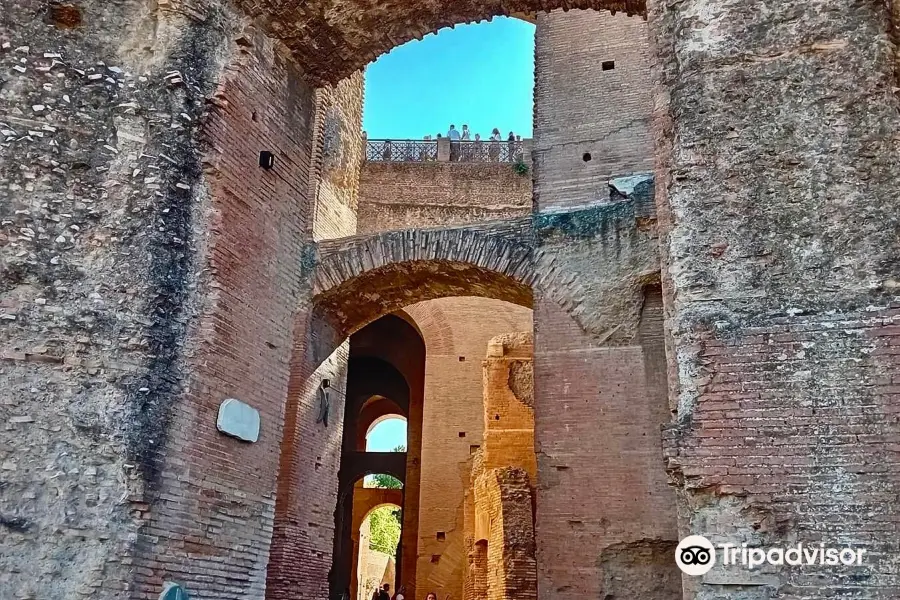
{"type": "Point", "coordinates": [385, 592]}
{"type": "Point", "coordinates": [401, 594]}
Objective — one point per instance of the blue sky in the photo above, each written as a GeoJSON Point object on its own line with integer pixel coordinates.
{"type": "Point", "coordinates": [386, 436]}
{"type": "Point", "coordinates": [481, 74]}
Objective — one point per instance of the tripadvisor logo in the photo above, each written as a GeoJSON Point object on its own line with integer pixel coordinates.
{"type": "Point", "coordinates": [696, 555]}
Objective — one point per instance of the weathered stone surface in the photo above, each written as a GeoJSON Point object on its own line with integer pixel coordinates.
{"type": "Point", "coordinates": [439, 194]}
{"type": "Point", "coordinates": [779, 216]}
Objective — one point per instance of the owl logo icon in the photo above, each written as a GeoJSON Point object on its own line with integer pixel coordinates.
{"type": "Point", "coordinates": [695, 555]}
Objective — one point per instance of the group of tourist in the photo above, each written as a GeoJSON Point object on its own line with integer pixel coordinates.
{"type": "Point", "coordinates": [475, 151]}
{"type": "Point", "coordinates": [463, 148]}
{"type": "Point", "coordinates": [384, 593]}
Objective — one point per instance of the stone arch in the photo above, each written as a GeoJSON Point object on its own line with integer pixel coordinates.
{"type": "Point", "coordinates": [382, 497]}
{"type": "Point", "coordinates": [331, 40]}
{"type": "Point", "coordinates": [358, 279]}
{"type": "Point", "coordinates": [373, 414]}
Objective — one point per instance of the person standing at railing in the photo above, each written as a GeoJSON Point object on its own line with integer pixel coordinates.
{"type": "Point", "coordinates": [386, 153]}
{"type": "Point", "coordinates": [494, 149]}
{"type": "Point", "coordinates": [453, 134]}
{"type": "Point", "coordinates": [511, 146]}
{"type": "Point", "coordinates": [466, 150]}
{"type": "Point", "coordinates": [479, 150]}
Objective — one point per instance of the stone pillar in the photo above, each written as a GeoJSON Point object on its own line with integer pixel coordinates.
{"type": "Point", "coordinates": [605, 516]}
{"type": "Point", "coordinates": [443, 151]}
{"type": "Point", "coordinates": [777, 194]}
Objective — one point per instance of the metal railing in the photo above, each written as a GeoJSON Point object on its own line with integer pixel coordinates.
{"type": "Point", "coordinates": [401, 150]}
{"type": "Point", "coordinates": [443, 150]}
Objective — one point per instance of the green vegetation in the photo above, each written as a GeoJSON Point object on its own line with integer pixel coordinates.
{"type": "Point", "coordinates": [385, 528]}
{"type": "Point", "coordinates": [387, 482]}
{"type": "Point", "coordinates": [520, 168]}
{"type": "Point", "coordinates": [385, 521]}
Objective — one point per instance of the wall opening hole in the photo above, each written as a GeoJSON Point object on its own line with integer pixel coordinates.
{"type": "Point", "coordinates": [496, 417]}
{"type": "Point", "coordinates": [254, 116]}
{"type": "Point", "coordinates": [441, 536]}
{"type": "Point", "coordinates": [586, 157]}
{"type": "Point", "coordinates": [65, 16]}
{"type": "Point", "coordinates": [462, 434]}
{"type": "Point", "coordinates": [462, 359]}
{"type": "Point", "coordinates": [474, 448]}
{"type": "Point", "coordinates": [435, 558]}
{"type": "Point", "coordinates": [608, 65]}
{"type": "Point", "coordinates": [266, 159]}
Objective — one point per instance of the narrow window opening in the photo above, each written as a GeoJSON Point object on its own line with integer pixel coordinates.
{"type": "Point", "coordinates": [462, 434]}
{"type": "Point", "coordinates": [608, 65]}
{"type": "Point", "coordinates": [441, 536]}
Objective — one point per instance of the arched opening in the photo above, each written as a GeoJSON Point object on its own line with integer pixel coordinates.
{"type": "Point", "coordinates": [378, 542]}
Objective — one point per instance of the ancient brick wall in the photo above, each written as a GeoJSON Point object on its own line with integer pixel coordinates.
{"type": "Point", "coordinates": [456, 332]}
{"type": "Point", "coordinates": [134, 238]}
{"type": "Point", "coordinates": [783, 318]}
{"type": "Point", "coordinates": [600, 484]}
{"type": "Point", "coordinates": [498, 524]}
{"type": "Point", "coordinates": [78, 329]}
{"type": "Point", "coordinates": [504, 497]}
{"type": "Point", "coordinates": [508, 375]}
{"type": "Point", "coordinates": [436, 194]}
{"type": "Point", "coordinates": [338, 155]}
{"type": "Point", "coordinates": [592, 105]}
{"type": "Point", "coordinates": [244, 340]}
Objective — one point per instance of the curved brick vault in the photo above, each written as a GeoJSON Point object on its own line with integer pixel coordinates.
{"type": "Point", "coordinates": [331, 39]}
{"type": "Point", "coordinates": [360, 278]}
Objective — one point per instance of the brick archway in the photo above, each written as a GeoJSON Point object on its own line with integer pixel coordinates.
{"type": "Point", "coordinates": [360, 278]}
{"type": "Point", "coordinates": [331, 40]}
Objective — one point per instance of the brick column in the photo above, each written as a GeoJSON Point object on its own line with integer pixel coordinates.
{"type": "Point", "coordinates": [777, 134]}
